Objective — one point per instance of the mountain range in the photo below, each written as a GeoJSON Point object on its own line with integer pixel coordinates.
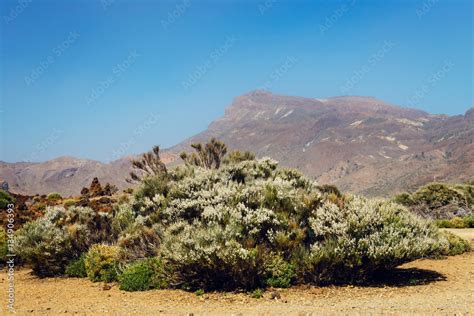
{"type": "Point", "coordinates": [361, 144]}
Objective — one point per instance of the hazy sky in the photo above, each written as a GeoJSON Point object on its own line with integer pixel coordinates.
{"type": "Point", "coordinates": [102, 79]}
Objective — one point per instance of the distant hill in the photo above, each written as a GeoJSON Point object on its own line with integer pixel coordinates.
{"type": "Point", "coordinates": [66, 175]}
{"type": "Point", "coordinates": [360, 144]}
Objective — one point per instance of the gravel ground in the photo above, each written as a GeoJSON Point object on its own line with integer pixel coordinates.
{"type": "Point", "coordinates": [443, 287]}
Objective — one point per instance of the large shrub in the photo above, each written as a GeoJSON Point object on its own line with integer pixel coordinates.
{"type": "Point", "coordinates": [438, 194]}
{"type": "Point", "coordinates": [441, 201]}
{"type": "Point", "coordinates": [50, 242]}
{"type": "Point", "coordinates": [251, 224]}
{"type": "Point", "coordinates": [365, 236]}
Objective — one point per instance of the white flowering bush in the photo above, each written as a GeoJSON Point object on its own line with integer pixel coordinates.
{"type": "Point", "coordinates": [365, 236]}
{"type": "Point", "coordinates": [61, 235]}
{"type": "Point", "coordinates": [45, 245]}
{"type": "Point", "coordinates": [253, 224]}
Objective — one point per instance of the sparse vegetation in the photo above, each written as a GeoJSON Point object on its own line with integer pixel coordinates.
{"type": "Point", "coordinates": [257, 293]}
{"type": "Point", "coordinates": [199, 292]}
{"type": "Point", "coordinates": [5, 199]}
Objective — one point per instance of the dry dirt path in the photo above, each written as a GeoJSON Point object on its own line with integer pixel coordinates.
{"type": "Point", "coordinates": [442, 287]}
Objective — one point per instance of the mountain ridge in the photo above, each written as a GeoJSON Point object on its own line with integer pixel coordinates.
{"type": "Point", "coordinates": [361, 144]}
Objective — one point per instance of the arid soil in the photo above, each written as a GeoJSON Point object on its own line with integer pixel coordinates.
{"type": "Point", "coordinates": [442, 287]}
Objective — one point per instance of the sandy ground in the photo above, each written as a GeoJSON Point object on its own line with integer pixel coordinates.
{"type": "Point", "coordinates": [442, 287]}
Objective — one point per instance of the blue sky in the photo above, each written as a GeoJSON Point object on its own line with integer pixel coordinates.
{"type": "Point", "coordinates": [101, 79]}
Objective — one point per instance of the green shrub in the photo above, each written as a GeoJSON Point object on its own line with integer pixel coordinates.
{"type": "Point", "coordinates": [101, 263]}
{"type": "Point", "coordinates": [456, 222]}
{"type": "Point", "coordinates": [5, 199]}
{"type": "Point", "coordinates": [443, 223]}
{"type": "Point", "coordinates": [77, 268]}
{"type": "Point", "coordinates": [469, 221]}
{"type": "Point", "coordinates": [54, 196]}
{"type": "Point", "coordinates": [437, 194]}
{"type": "Point", "coordinates": [257, 293]}
{"type": "Point", "coordinates": [199, 292]}
{"type": "Point", "coordinates": [40, 206]}
{"type": "Point", "coordinates": [279, 273]}
{"type": "Point", "coordinates": [143, 275]}
{"type": "Point", "coordinates": [455, 245]}
{"type": "Point", "coordinates": [404, 199]}
{"type": "Point", "coordinates": [69, 202]}
{"type": "Point", "coordinates": [237, 156]}
{"type": "Point", "coordinates": [3, 245]}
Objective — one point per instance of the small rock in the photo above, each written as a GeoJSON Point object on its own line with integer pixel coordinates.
{"type": "Point", "coordinates": [106, 287]}
{"type": "Point", "coordinates": [274, 295]}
